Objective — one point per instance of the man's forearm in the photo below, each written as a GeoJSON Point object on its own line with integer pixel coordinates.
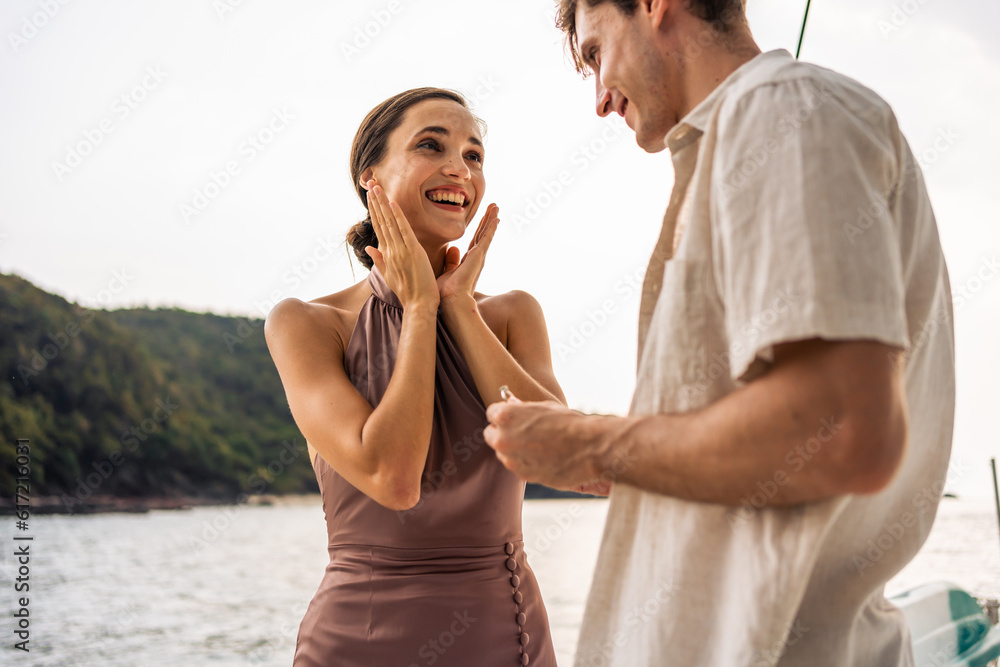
{"type": "Point", "coordinates": [791, 440]}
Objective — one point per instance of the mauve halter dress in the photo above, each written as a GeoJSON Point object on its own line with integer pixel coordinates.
{"type": "Point", "coordinates": [446, 583]}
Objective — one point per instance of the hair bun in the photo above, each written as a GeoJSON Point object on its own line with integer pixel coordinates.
{"type": "Point", "coordinates": [360, 236]}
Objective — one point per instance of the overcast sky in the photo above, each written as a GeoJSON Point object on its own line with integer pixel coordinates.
{"type": "Point", "coordinates": [194, 154]}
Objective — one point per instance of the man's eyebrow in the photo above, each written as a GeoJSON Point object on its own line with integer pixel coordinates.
{"type": "Point", "coordinates": [437, 129]}
{"type": "Point", "coordinates": [584, 50]}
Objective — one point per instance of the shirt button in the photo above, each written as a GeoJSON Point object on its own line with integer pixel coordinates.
{"type": "Point", "coordinates": [518, 597]}
{"type": "Point", "coordinates": [511, 564]}
{"type": "Point", "coordinates": [509, 548]}
{"type": "Point", "coordinates": [515, 580]}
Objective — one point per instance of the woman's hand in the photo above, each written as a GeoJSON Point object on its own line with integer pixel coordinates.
{"type": "Point", "coordinates": [460, 276]}
{"type": "Point", "coordinates": [400, 258]}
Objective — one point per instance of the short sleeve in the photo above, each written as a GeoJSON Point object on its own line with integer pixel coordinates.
{"type": "Point", "coordinates": [804, 237]}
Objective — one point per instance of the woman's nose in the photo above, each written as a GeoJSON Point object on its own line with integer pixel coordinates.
{"type": "Point", "coordinates": [457, 168]}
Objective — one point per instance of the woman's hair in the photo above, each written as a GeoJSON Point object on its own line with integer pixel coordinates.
{"type": "Point", "coordinates": [370, 145]}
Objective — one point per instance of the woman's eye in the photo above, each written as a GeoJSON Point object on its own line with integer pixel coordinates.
{"type": "Point", "coordinates": [429, 143]}
{"type": "Point", "coordinates": [475, 156]}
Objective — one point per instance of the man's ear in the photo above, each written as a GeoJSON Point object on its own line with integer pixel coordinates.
{"type": "Point", "coordinates": [659, 10]}
{"type": "Point", "coordinates": [367, 175]}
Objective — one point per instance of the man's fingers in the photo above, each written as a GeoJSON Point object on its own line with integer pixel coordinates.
{"type": "Point", "coordinates": [495, 412]}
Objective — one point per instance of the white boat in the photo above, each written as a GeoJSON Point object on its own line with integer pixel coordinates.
{"type": "Point", "coordinates": [948, 626]}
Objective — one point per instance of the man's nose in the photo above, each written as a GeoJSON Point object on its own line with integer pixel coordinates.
{"type": "Point", "coordinates": [603, 99]}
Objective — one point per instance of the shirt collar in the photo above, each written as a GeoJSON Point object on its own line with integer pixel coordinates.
{"type": "Point", "coordinates": [694, 124]}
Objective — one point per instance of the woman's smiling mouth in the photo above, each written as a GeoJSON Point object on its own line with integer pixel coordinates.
{"type": "Point", "coordinates": [447, 199]}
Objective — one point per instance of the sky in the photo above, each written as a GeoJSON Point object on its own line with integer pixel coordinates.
{"type": "Point", "coordinates": [195, 154]}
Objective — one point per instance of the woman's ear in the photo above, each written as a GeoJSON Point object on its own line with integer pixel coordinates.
{"type": "Point", "coordinates": [367, 175]}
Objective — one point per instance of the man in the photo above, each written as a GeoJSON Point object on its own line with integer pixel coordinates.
{"type": "Point", "coordinates": [790, 430]}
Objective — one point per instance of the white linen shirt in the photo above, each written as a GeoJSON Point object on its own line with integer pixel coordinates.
{"type": "Point", "coordinates": [798, 212]}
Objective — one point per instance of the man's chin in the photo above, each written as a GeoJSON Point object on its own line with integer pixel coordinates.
{"type": "Point", "coordinates": [650, 143]}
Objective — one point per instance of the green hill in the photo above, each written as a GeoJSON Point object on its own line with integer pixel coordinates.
{"type": "Point", "coordinates": [141, 402]}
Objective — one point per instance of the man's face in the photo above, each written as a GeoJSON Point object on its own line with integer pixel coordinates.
{"type": "Point", "coordinates": [633, 79]}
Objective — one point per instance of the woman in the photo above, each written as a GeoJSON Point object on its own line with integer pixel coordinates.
{"type": "Point", "coordinates": [389, 381]}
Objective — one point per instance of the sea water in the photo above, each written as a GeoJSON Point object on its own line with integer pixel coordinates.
{"type": "Point", "coordinates": [228, 585]}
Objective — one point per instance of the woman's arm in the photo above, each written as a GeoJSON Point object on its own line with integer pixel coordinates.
{"type": "Point", "coordinates": [383, 451]}
{"type": "Point", "coordinates": [525, 365]}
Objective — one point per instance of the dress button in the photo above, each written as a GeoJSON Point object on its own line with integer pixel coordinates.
{"type": "Point", "coordinates": [515, 580]}
{"type": "Point", "coordinates": [524, 639]}
{"type": "Point", "coordinates": [524, 658]}
{"type": "Point", "coordinates": [511, 564]}
{"type": "Point", "coordinates": [518, 597]}
{"type": "Point", "coordinates": [521, 618]}
{"type": "Point", "coordinates": [509, 548]}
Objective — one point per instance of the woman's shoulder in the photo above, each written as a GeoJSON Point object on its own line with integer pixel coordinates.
{"type": "Point", "coordinates": [514, 302]}
{"type": "Point", "coordinates": [333, 314]}
{"type": "Point", "coordinates": [501, 309]}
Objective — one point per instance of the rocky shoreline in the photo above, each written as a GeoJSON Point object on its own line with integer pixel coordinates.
{"type": "Point", "coordinates": [138, 504]}
{"type": "Point", "coordinates": [96, 503]}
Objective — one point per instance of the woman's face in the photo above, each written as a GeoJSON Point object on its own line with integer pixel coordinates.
{"type": "Point", "coordinates": [433, 168]}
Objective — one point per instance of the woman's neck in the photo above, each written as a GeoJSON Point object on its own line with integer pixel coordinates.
{"type": "Point", "coordinates": [436, 254]}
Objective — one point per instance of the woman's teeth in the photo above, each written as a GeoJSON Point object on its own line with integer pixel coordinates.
{"type": "Point", "coordinates": [444, 197]}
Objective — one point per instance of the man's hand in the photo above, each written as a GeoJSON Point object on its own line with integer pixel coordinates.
{"type": "Point", "coordinates": [550, 444]}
